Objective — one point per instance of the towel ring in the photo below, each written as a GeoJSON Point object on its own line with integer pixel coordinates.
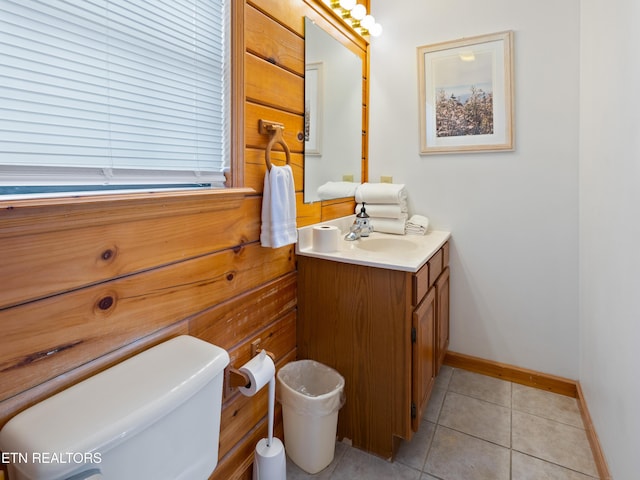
{"type": "Point", "coordinates": [274, 129]}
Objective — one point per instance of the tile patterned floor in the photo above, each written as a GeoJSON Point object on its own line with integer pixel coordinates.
{"type": "Point", "coordinates": [479, 428]}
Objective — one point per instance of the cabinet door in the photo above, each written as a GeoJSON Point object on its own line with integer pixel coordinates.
{"type": "Point", "coordinates": [423, 356]}
{"type": "Point", "coordinates": [442, 317]}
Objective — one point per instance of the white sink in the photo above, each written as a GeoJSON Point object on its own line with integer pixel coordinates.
{"type": "Point", "coordinates": [395, 252]}
{"type": "Point", "coordinates": [399, 245]}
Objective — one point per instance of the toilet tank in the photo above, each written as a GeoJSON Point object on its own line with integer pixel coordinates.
{"type": "Point", "coordinates": [153, 416]}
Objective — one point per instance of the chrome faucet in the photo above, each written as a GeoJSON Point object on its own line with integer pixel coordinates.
{"type": "Point", "coordinates": [360, 227]}
{"type": "Point", "coordinates": [354, 232]}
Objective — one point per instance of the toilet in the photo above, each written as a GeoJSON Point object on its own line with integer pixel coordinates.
{"type": "Point", "coordinates": [153, 416]}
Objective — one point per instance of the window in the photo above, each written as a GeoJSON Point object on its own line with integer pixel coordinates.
{"type": "Point", "coordinates": [104, 94]}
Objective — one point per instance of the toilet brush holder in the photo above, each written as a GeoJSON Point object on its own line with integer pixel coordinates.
{"type": "Point", "coordinates": [269, 461]}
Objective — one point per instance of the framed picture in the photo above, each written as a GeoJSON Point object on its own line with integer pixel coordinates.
{"type": "Point", "coordinates": [313, 108]}
{"type": "Point", "coordinates": [466, 95]}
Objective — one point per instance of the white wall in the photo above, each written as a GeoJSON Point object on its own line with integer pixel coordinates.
{"type": "Point", "coordinates": [514, 215]}
{"type": "Point", "coordinates": [610, 228]}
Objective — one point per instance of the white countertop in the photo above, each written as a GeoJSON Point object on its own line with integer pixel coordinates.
{"type": "Point", "coordinates": [411, 253]}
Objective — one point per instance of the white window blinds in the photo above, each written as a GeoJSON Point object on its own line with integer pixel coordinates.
{"type": "Point", "coordinates": [113, 92]}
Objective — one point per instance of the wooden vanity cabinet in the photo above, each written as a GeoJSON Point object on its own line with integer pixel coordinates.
{"type": "Point", "coordinates": [423, 356]}
{"type": "Point", "coordinates": [381, 329]}
{"type": "Point", "coordinates": [442, 315]}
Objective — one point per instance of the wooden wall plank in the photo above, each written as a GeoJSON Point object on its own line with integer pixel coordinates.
{"type": "Point", "coordinates": [65, 261]}
{"type": "Point", "coordinates": [46, 338]}
{"type": "Point", "coordinates": [289, 13]}
{"type": "Point", "coordinates": [293, 128]}
{"type": "Point", "coordinates": [278, 338]}
{"type": "Point", "coordinates": [249, 312]}
{"type": "Point", "coordinates": [27, 398]}
{"type": "Point", "coordinates": [270, 85]}
{"type": "Point", "coordinates": [269, 40]}
{"type": "Point", "coordinates": [338, 208]}
{"type": "Point", "coordinates": [308, 213]}
{"type": "Point", "coordinates": [25, 217]}
{"type": "Point", "coordinates": [255, 168]}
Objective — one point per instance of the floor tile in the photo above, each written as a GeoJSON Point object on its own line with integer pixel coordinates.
{"type": "Point", "coordinates": [455, 456]}
{"type": "Point", "coordinates": [471, 420]}
{"type": "Point", "coordinates": [485, 420]}
{"type": "Point", "coordinates": [444, 376]}
{"type": "Point", "coordinates": [435, 403]}
{"type": "Point", "coordinates": [414, 453]}
{"type": "Point", "coordinates": [546, 404]}
{"type": "Point", "coordinates": [481, 386]}
{"type": "Point", "coordinates": [524, 467]}
{"type": "Point", "coordinates": [553, 441]}
{"type": "Point", "coordinates": [437, 394]}
{"type": "Point", "coordinates": [356, 464]}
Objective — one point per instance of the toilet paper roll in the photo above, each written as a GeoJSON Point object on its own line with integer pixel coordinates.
{"type": "Point", "coordinates": [325, 238]}
{"type": "Point", "coordinates": [260, 369]}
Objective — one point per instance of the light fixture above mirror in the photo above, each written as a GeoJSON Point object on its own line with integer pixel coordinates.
{"type": "Point", "coordinates": [355, 15]}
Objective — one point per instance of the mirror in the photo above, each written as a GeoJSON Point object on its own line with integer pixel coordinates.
{"type": "Point", "coordinates": [333, 115]}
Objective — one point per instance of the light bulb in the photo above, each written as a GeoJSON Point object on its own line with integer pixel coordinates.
{"type": "Point", "coordinates": [359, 12]}
{"type": "Point", "coordinates": [368, 22]}
{"type": "Point", "coordinates": [467, 56]}
{"type": "Point", "coordinates": [375, 30]}
{"type": "Point", "coordinates": [347, 4]}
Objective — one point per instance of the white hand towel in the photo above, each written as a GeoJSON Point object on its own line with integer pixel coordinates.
{"type": "Point", "coordinates": [278, 208]}
{"type": "Point", "coordinates": [331, 190]}
{"type": "Point", "coordinates": [386, 210]}
{"type": "Point", "coordinates": [417, 225]}
{"type": "Point", "coordinates": [381, 193]}
{"type": "Point", "coordinates": [389, 225]}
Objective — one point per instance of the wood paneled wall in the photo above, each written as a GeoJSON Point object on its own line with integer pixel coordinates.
{"type": "Point", "coordinates": [274, 72]}
{"type": "Point", "coordinates": [88, 282]}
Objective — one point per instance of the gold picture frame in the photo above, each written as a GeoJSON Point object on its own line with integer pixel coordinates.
{"type": "Point", "coordinates": [466, 95]}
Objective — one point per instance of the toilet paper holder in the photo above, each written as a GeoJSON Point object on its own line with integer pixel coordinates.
{"type": "Point", "coordinates": [240, 379]}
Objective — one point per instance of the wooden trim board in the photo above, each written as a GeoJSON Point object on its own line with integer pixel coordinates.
{"type": "Point", "coordinates": [543, 381]}
{"type": "Point", "coordinates": [563, 386]}
{"type": "Point", "coordinates": [592, 436]}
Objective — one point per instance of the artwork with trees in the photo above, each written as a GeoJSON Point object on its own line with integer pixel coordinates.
{"type": "Point", "coordinates": [469, 114]}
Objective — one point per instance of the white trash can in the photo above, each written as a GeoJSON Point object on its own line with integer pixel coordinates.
{"type": "Point", "coordinates": [311, 395]}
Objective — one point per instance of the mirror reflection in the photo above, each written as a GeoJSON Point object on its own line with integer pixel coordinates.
{"type": "Point", "coordinates": [333, 117]}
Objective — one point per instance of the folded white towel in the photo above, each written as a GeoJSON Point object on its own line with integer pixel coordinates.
{"type": "Point", "coordinates": [332, 190]}
{"type": "Point", "coordinates": [381, 193]}
{"type": "Point", "coordinates": [386, 210]}
{"type": "Point", "coordinates": [389, 225]}
{"type": "Point", "coordinates": [278, 208]}
{"type": "Point", "coordinates": [417, 225]}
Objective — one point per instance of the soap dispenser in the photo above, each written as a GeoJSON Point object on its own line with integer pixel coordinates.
{"type": "Point", "coordinates": [362, 221]}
